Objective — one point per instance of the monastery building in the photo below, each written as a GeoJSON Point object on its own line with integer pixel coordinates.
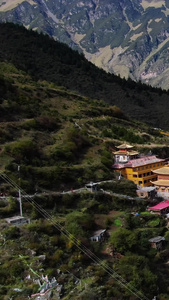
{"type": "Point", "coordinates": [133, 166]}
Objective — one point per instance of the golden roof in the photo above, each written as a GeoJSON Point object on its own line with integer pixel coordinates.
{"type": "Point", "coordinates": [124, 146]}
{"type": "Point", "coordinates": [162, 171]}
{"type": "Point", "coordinates": [125, 152]}
{"type": "Point", "coordinates": [161, 182]}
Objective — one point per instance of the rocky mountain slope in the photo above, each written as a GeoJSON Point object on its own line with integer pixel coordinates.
{"type": "Point", "coordinates": [129, 38]}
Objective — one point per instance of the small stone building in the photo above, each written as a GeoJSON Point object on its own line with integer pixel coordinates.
{"type": "Point", "coordinates": [92, 187]}
{"type": "Point", "coordinates": [146, 192]}
{"type": "Point", "coordinates": [157, 242]}
{"type": "Point", "coordinates": [98, 236]}
{"type": "Point", "coordinates": [17, 220]}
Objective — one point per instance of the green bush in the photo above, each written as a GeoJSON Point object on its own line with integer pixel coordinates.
{"type": "Point", "coordinates": [23, 150]}
{"type": "Point", "coordinates": [123, 240]}
{"type": "Point", "coordinates": [154, 223]}
{"type": "Point", "coordinates": [12, 232]}
{"type": "Point", "coordinates": [123, 186]}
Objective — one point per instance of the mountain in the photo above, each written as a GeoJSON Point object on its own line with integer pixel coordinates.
{"type": "Point", "coordinates": [126, 37]}
{"type": "Point", "coordinates": [53, 115]}
{"type": "Point", "coordinates": [54, 121]}
{"type": "Point", "coordinates": [45, 59]}
{"type": "Point", "coordinates": [62, 139]}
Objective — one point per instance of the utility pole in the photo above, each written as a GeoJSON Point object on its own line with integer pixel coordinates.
{"type": "Point", "coordinates": [20, 199]}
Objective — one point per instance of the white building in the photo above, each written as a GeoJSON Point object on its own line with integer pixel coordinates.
{"type": "Point", "coordinates": [17, 220]}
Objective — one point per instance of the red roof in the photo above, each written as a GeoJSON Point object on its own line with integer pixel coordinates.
{"type": "Point", "coordinates": [145, 160]}
{"type": "Point", "coordinates": [160, 205]}
{"type": "Point", "coordinates": [137, 162]}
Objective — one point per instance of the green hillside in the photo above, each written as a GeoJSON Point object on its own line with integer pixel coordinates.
{"type": "Point", "coordinates": [59, 138]}
{"type": "Point", "coordinates": [44, 126]}
{"type": "Point", "coordinates": [44, 59]}
{"type": "Point", "coordinates": [62, 139]}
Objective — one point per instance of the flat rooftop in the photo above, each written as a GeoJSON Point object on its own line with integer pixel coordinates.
{"type": "Point", "coordinates": [160, 205]}
{"type": "Point", "coordinates": [137, 162]}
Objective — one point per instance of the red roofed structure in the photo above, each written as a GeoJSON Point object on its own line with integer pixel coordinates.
{"type": "Point", "coordinates": [161, 208]}
{"type": "Point", "coordinates": [135, 167]}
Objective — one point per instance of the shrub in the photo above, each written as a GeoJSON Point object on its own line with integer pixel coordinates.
{"type": "Point", "coordinates": [12, 232]}
{"type": "Point", "coordinates": [154, 223]}
{"type": "Point", "coordinates": [16, 268]}
{"type": "Point", "coordinates": [123, 240]}
{"type": "Point", "coordinates": [24, 150]}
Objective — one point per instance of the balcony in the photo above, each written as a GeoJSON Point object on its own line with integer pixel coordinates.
{"type": "Point", "coordinates": [121, 161]}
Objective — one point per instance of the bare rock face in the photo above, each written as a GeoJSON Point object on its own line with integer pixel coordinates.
{"type": "Point", "coordinates": [126, 37]}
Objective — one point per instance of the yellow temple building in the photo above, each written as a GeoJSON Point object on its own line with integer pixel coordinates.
{"type": "Point", "coordinates": [131, 165]}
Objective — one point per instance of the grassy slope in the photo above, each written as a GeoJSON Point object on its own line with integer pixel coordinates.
{"type": "Point", "coordinates": [59, 138]}
{"type": "Point", "coordinates": [45, 114]}
{"type": "Point", "coordinates": [45, 59]}
{"type": "Point", "coordinates": [39, 122]}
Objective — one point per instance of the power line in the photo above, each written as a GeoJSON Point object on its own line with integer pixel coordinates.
{"type": "Point", "coordinates": [76, 242]}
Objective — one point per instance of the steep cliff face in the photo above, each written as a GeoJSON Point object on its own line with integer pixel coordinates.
{"type": "Point", "coordinates": [126, 37]}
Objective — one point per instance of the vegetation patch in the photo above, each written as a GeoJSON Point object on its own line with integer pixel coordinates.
{"type": "Point", "coordinates": [145, 213]}
{"type": "Point", "coordinates": [118, 222]}
{"type": "Point", "coordinates": [154, 223]}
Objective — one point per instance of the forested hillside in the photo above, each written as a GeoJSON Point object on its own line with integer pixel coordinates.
{"type": "Point", "coordinates": [59, 138]}
{"type": "Point", "coordinates": [45, 59]}
{"type": "Point", "coordinates": [61, 141]}
{"type": "Point", "coordinates": [54, 139]}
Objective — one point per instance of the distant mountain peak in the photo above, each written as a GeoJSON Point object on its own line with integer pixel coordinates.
{"type": "Point", "coordinates": [7, 5]}
{"type": "Point", "coordinates": [152, 3]}
{"type": "Point", "coordinates": [128, 37]}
